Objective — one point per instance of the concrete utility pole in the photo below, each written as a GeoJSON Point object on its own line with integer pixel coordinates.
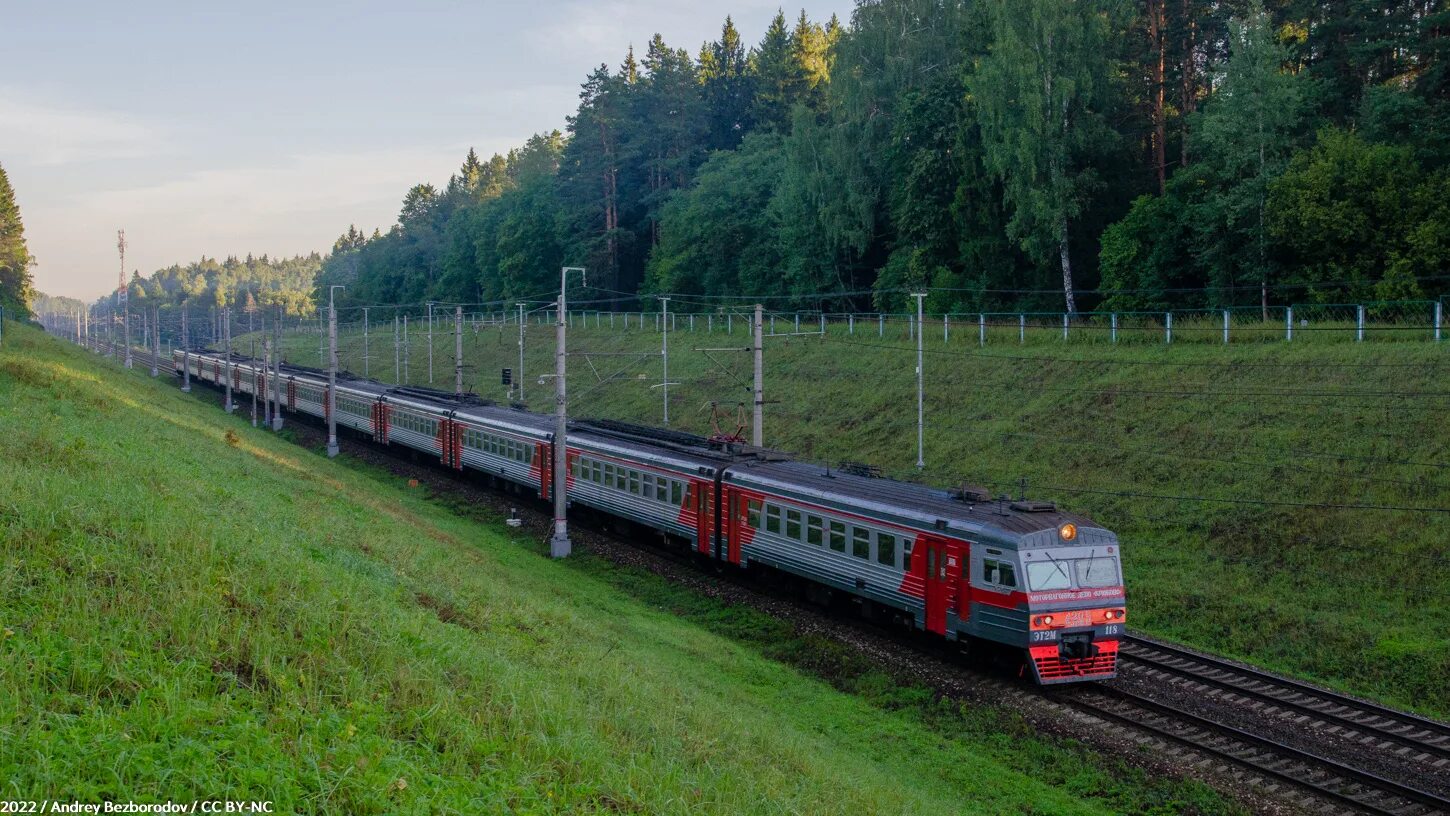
{"type": "Point", "coordinates": [757, 434]}
{"type": "Point", "coordinates": [397, 354]}
{"type": "Point", "coordinates": [430, 343]}
{"type": "Point", "coordinates": [559, 545]}
{"type": "Point", "coordinates": [405, 348]}
{"type": "Point", "coordinates": [332, 369]}
{"type": "Point", "coordinates": [155, 339]}
{"type": "Point", "coordinates": [227, 331]}
{"type": "Point", "coordinates": [665, 354]}
{"type": "Point", "coordinates": [519, 378]}
{"type": "Point", "coordinates": [366, 356]}
{"type": "Point", "coordinates": [268, 410]}
{"type": "Point", "coordinates": [252, 353]}
{"type": "Point", "coordinates": [458, 350]}
{"type": "Point", "coordinates": [185, 355]}
{"type": "Point", "coordinates": [920, 392]}
{"type": "Point", "coordinates": [123, 295]}
{"type": "Point", "coordinates": [277, 371]}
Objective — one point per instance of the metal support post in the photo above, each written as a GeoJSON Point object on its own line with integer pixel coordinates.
{"type": "Point", "coordinates": [1168, 327]}
{"type": "Point", "coordinates": [1359, 324]}
{"type": "Point", "coordinates": [1225, 326]}
{"type": "Point", "coordinates": [458, 350]}
{"type": "Point", "coordinates": [520, 378]}
{"type": "Point", "coordinates": [277, 370]}
{"type": "Point", "coordinates": [665, 355]}
{"type": "Point", "coordinates": [920, 392]}
{"type": "Point", "coordinates": [332, 369]}
{"type": "Point", "coordinates": [155, 340]}
{"type": "Point", "coordinates": [559, 545]}
{"type": "Point", "coordinates": [227, 333]}
{"type": "Point", "coordinates": [757, 434]}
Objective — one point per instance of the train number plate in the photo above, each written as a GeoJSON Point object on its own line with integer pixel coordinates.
{"type": "Point", "coordinates": [1081, 617]}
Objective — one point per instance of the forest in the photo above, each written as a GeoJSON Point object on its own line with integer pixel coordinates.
{"type": "Point", "coordinates": [1045, 154]}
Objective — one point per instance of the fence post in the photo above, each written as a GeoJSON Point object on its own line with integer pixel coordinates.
{"type": "Point", "coordinates": [1225, 326]}
{"type": "Point", "coordinates": [823, 323]}
{"type": "Point", "coordinates": [1359, 324]}
{"type": "Point", "coordinates": [946, 328]}
{"type": "Point", "coordinates": [692, 322]}
{"type": "Point", "coordinates": [1021, 329]}
{"type": "Point", "coordinates": [882, 316]}
{"type": "Point", "coordinates": [981, 329]}
{"type": "Point", "coordinates": [797, 322]}
{"type": "Point", "coordinates": [1288, 323]}
{"type": "Point", "coordinates": [710, 324]}
{"type": "Point", "coordinates": [1439, 313]}
{"type": "Point", "coordinates": [1064, 325]}
{"type": "Point", "coordinates": [729, 322]}
{"type": "Point", "coordinates": [772, 324]}
{"type": "Point", "coordinates": [1114, 333]}
{"type": "Point", "coordinates": [1168, 327]}
{"type": "Point", "coordinates": [851, 323]}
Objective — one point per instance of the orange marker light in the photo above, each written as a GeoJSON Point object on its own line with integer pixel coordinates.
{"type": "Point", "coordinates": [1068, 531]}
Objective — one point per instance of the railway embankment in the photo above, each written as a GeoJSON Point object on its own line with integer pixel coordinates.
{"type": "Point", "coordinates": [193, 609]}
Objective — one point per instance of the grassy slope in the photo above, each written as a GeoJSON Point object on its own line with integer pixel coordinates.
{"type": "Point", "coordinates": [1341, 596]}
{"type": "Point", "coordinates": [191, 608]}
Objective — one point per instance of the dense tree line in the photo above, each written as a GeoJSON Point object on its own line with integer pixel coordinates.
{"type": "Point", "coordinates": [206, 287]}
{"type": "Point", "coordinates": [1049, 153]}
{"type": "Point", "coordinates": [16, 291]}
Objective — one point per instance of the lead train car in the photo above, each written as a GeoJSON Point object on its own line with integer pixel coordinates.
{"type": "Point", "coordinates": [1024, 575]}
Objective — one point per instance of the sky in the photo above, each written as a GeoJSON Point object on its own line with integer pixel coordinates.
{"type": "Point", "coordinates": [205, 129]}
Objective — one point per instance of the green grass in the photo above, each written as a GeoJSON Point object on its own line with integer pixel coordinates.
{"type": "Point", "coordinates": [1352, 598]}
{"type": "Point", "coordinates": [191, 608]}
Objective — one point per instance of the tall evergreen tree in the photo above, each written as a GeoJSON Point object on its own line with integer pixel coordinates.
{"type": "Point", "coordinates": [1040, 93]}
{"type": "Point", "coordinates": [727, 88]}
{"type": "Point", "coordinates": [777, 76]}
{"type": "Point", "coordinates": [16, 288]}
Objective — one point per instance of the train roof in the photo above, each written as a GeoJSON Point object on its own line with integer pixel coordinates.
{"type": "Point", "coordinates": [1020, 522]}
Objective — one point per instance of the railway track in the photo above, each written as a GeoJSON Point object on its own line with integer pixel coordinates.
{"type": "Point", "coordinates": [1322, 784]}
{"type": "Point", "coordinates": [1340, 785]}
{"type": "Point", "coordinates": [1369, 725]}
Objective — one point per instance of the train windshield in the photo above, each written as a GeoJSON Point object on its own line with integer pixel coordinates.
{"type": "Point", "coordinates": [1042, 575]}
{"type": "Point", "coordinates": [1067, 573]}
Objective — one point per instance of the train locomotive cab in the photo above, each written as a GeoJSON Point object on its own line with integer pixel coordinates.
{"type": "Point", "coordinates": [1076, 611]}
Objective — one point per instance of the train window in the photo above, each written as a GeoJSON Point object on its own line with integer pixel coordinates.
{"type": "Point", "coordinates": [813, 530]}
{"type": "Point", "coordinates": [677, 493]}
{"type": "Point", "coordinates": [752, 513]}
{"type": "Point", "coordinates": [838, 536]}
{"type": "Point", "coordinates": [861, 546]}
{"type": "Point", "coordinates": [621, 479]}
{"type": "Point", "coordinates": [885, 545]}
{"type": "Point", "coordinates": [906, 553]}
{"type": "Point", "coordinates": [647, 484]}
{"type": "Point", "coordinates": [772, 518]}
{"type": "Point", "coordinates": [634, 482]}
{"type": "Point", "coordinates": [662, 489]}
{"type": "Point", "coordinates": [1096, 572]}
{"type": "Point", "coordinates": [793, 524]}
{"type": "Point", "coordinates": [1002, 573]}
{"type": "Point", "coordinates": [1044, 575]}
{"type": "Point", "coordinates": [608, 475]}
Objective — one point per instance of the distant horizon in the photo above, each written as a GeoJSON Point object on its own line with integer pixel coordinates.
{"type": "Point", "coordinates": [171, 144]}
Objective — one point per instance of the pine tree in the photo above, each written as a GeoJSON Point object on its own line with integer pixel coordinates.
{"type": "Point", "coordinates": [777, 76]}
{"type": "Point", "coordinates": [16, 288]}
{"type": "Point", "coordinates": [726, 86]}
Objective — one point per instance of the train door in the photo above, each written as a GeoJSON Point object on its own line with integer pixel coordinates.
{"type": "Point", "coordinates": [940, 563]}
{"type": "Point", "coordinates": [705, 513]}
{"type": "Point", "coordinates": [734, 521]}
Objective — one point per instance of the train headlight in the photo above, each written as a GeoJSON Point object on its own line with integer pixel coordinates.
{"type": "Point", "coordinates": [1067, 531]}
{"type": "Point", "coordinates": [1044, 620]}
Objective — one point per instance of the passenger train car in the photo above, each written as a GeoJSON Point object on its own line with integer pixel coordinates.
{"type": "Point", "coordinates": [960, 565]}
